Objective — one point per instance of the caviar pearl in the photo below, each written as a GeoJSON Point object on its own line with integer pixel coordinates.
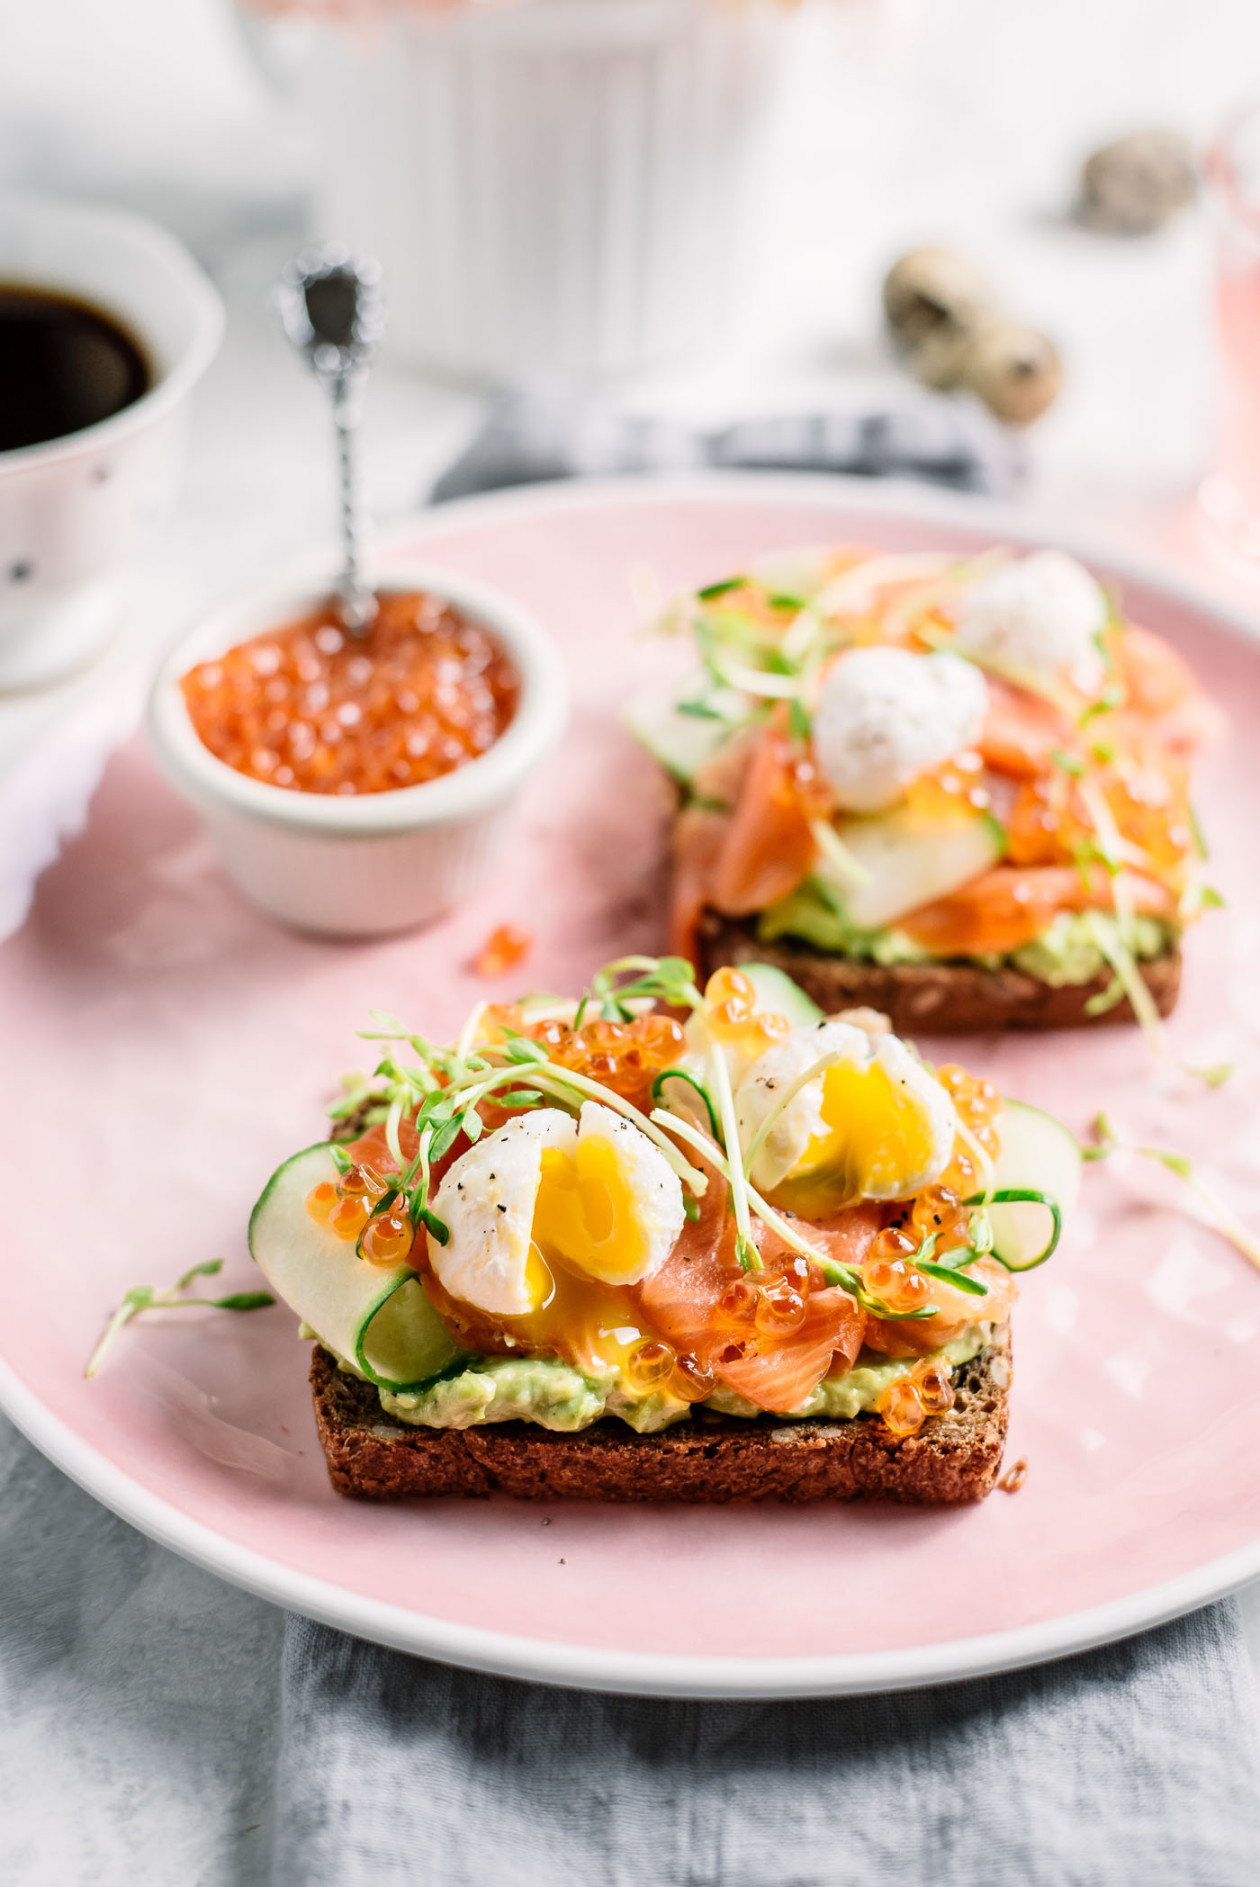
{"type": "Point", "coordinates": [254, 707]}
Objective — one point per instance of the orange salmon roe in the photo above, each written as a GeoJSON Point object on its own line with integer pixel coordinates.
{"type": "Point", "coordinates": [731, 1015]}
{"type": "Point", "coordinates": [310, 708]}
{"type": "Point", "coordinates": [649, 1364]}
{"type": "Point", "coordinates": [389, 1238]}
{"type": "Point", "coordinates": [625, 1056]}
{"type": "Point", "coordinates": [902, 1407]}
{"type": "Point", "coordinates": [347, 1209]}
{"type": "Point", "coordinates": [503, 949]}
{"type": "Point", "coordinates": [887, 1273]}
{"type": "Point", "coordinates": [934, 1386]}
{"type": "Point", "coordinates": [976, 1102]}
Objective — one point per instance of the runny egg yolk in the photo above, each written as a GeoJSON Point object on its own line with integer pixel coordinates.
{"type": "Point", "coordinates": [591, 1323]}
{"type": "Point", "coordinates": [878, 1140]}
{"type": "Point", "coordinates": [586, 1213]}
{"type": "Point", "coordinates": [588, 1244]}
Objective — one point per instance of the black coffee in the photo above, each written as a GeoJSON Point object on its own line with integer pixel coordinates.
{"type": "Point", "coordinates": [63, 365]}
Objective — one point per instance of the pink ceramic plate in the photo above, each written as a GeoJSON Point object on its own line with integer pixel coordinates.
{"type": "Point", "coordinates": [165, 1046]}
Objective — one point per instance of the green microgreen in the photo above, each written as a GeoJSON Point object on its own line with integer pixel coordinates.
{"type": "Point", "coordinates": [1067, 762]}
{"type": "Point", "coordinates": [1111, 697]}
{"type": "Point", "coordinates": [1114, 949]}
{"type": "Point", "coordinates": [143, 1297]}
{"type": "Point", "coordinates": [1086, 852]}
{"type": "Point", "coordinates": [747, 1257]}
{"type": "Point", "coordinates": [692, 1081]}
{"type": "Point", "coordinates": [521, 1048]}
{"type": "Point", "coordinates": [954, 1276]}
{"type": "Point", "coordinates": [1217, 1213]}
{"type": "Point", "coordinates": [1215, 1075]}
{"type": "Point", "coordinates": [721, 588]}
{"type": "Point", "coordinates": [1199, 898]}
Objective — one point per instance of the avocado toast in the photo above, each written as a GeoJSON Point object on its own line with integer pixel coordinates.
{"type": "Point", "coordinates": [665, 1243]}
{"type": "Point", "coordinates": [953, 789]}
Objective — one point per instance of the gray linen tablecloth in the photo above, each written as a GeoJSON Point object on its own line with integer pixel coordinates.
{"type": "Point", "coordinates": [159, 1729]}
{"type": "Point", "coordinates": [1134, 1764]}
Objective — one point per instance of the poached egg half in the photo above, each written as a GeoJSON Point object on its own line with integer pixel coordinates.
{"type": "Point", "coordinates": [885, 716]}
{"type": "Point", "coordinates": [875, 1124]}
{"type": "Point", "coordinates": [592, 1194]}
{"type": "Point", "coordinates": [1041, 615]}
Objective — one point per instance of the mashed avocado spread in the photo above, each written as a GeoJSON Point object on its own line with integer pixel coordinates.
{"type": "Point", "coordinates": [555, 1395]}
{"type": "Point", "coordinates": [1067, 953]}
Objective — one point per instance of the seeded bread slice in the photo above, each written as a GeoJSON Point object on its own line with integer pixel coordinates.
{"type": "Point", "coordinates": [709, 1458]}
{"type": "Point", "coordinates": [940, 998]}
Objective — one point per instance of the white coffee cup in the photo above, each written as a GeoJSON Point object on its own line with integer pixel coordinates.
{"type": "Point", "coordinates": [73, 509]}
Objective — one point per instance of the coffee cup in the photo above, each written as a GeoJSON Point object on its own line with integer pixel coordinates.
{"type": "Point", "coordinates": [74, 508]}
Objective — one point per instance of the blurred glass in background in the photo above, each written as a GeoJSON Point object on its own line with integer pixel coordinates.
{"type": "Point", "coordinates": [1230, 494]}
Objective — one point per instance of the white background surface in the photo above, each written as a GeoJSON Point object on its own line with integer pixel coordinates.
{"type": "Point", "coordinates": [138, 1693]}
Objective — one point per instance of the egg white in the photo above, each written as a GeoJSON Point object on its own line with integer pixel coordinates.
{"type": "Point", "coordinates": [885, 716]}
{"type": "Point", "coordinates": [781, 1156]}
{"type": "Point", "coordinates": [486, 1201]}
{"type": "Point", "coordinates": [1041, 615]}
{"type": "Point", "coordinates": [802, 1119]}
{"type": "Point", "coordinates": [489, 1196]}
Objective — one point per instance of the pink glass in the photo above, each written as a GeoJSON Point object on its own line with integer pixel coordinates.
{"type": "Point", "coordinates": [1230, 494]}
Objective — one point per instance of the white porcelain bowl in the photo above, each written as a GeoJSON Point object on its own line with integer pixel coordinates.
{"type": "Point", "coordinates": [73, 509]}
{"type": "Point", "coordinates": [361, 867]}
{"type": "Point", "coordinates": [552, 188]}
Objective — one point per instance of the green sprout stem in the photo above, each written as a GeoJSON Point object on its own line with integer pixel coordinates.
{"type": "Point", "coordinates": [154, 1297]}
{"type": "Point", "coordinates": [1218, 1214]}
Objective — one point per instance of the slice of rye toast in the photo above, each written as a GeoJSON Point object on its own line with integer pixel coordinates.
{"type": "Point", "coordinates": [941, 998]}
{"type": "Point", "coordinates": [709, 1458]}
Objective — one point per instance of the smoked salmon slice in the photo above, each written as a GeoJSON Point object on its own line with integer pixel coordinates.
{"type": "Point", "coordinates": [685, 1301]}
{"type": "Point", "coordinates": [768, 847]}
{"type": "Point", "coordinates": [1011, 904]}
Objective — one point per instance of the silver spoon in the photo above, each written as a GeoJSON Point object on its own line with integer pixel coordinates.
{"type": "Point", "coordinates": [333, 312]}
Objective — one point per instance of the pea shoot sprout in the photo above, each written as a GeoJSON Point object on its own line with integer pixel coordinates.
{"type": "Point", "coordinates": [143, 1297]}
{"type": "Point", "coordinates": [1219, 1215]}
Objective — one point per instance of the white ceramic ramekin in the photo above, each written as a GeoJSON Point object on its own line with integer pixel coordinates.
{"type": "Point", "coordinates": [73, 509]}
{"type": "Point", "coordinates": [361, 867]}
{"type": "Point", "coordinates": [552, 187]}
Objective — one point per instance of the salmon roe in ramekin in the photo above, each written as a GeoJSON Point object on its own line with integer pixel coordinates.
{"type": "Point", "coordinates": [308, 707]}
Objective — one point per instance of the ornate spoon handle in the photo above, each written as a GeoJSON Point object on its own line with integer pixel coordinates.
{"type": "Point", "coordinates": [333, 312]}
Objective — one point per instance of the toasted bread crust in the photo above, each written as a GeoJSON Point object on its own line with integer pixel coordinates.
{"type": "Point", "coordinates": [708, 1459]}
{"type": "Point", "coordinates": [942, 998]}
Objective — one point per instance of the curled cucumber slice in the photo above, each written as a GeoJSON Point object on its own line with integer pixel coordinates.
{"type": "Point", "coordinates": [1036, 1179]}
{"type": "Point", "coordinates": [1018, 1253]}
{"type": "Point", "coordinates": [380, 1318]}
{"type": "Point", "coordinates": [776, 994]}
